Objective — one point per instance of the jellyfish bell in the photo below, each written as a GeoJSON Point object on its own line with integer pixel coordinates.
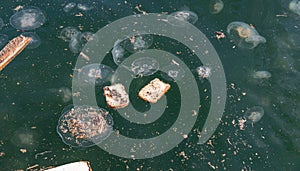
{"type": "Point", "coordinates": [3, 40]}
{"type": "Point", "coordinates": [294, 6]}
{"type": "Point", "coordinates": [179, 18]}
{"type": "Point", "coordinates": [97, 74]}
{"type": "Point", "coordinates": [173, 72]}
{"type": "Point", "coordinates": [84, 126]}
{"type": "Point", "coordinates": [118, 53]}
{"type": "Point", "coordinates": [244, 35]}
{"type": "Point", "coordinates": [25, 137]}
{"type": "Point", "coordinates": [68, 33]}
{"type": "Point", "coordinates": [216, 6]}
{"type": "Point", "coordinates": [68, 7]}
{"type": "Point", "coordinates": [262, 74]}
{"type": "Point", "coordinates": [28, 19]}
{"type": "Point", "coordinates": [138, 42]}
{"type": "Point", "coordinates": [35, 40]}
{"type": "Point", "coordinates": [203, 71]}
{"type": "Point", "coordinates": [84, 7]}
{"type": "Point", "coordinates": [144, 66]}
{"type": "Point", "coordinates": [254, 114]}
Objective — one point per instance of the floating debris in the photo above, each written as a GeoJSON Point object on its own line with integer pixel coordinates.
{"type": "Point", "coordinates": [12, 49]}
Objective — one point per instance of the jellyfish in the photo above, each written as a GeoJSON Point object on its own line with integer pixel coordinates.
{"type": "Point", "coordinates": [97, 74]}
{"type": "Point", "coordinates": [175, 72]}
{"type": "Point", "coordinates": [261, 74]}
{"type": "Point", "coordinates": [1, 23]}
{"type": "Point", "coordinates": [84, 7]}
{"type": "Point", "coordinates": [28, 19]}
{"type": "Point", "coordinates": [25, 137]}
{"type": "Point", "coordinates": [75, 45]}
{"type": "Point", "coordinates": [294, 6]}
{"type": "Point", "coordinates": [35, 40]}
{"type": "Point", "coordinates": [215, 6]}
{"type": "Point", "coordinates": [118, 53]}
{"type": "Point", "coordinates": [144, 66]}
{"type": "Point", "coordinates": [69, 6]}
{"type": "Point", "coordinates": [180, 18]}
{"type": "Point", "coordinates": [3, 39]}
{"type": "Point", "coordinates": [84, 126]}
{"type": "Point", "coordinates": [138, 42]}
{"type": "Point", "coordinates": [254, 114]}
{"type": "Point", "coordinates": [204, 71]}
{"type": "Point", "coordinates": [68, 33]}
{"type": "Point", "coordinates": [244, 35]}
{"type": "Point", "coordinates": [86, 37]}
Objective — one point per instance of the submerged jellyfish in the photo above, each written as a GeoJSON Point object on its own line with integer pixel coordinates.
{"type": "Point", "coordinates": [254, 114]}
{"type": "Point", "coordinates": [138, 43]}
{"type": "Point", "coordinates": [175, 72]}
{"type": "Point", "coordinates": [294, 6]}
{"type": "Point", "coordinates": [261, 74]}
{"type": "Point", "coordinates": [69, 6]}
{"type": "Point", "coordinates": [244, 35]}
{"type": "Point", "coordinates": [68, 33]}
{"type": "Point", "coordinates": [84, 7]}
{"type": "Point", "coordinates": [1, 23]}
{"type": "Point", "coordinates": [28, 19]}
{"type": "Point", "coordinates": [180, 18]}
{"type": "Point", "coordinates": [204, 71]}
{"type": "Point", "coordinates": [75, 45]}
{"type": "Point", "coordinates": [35, 40]}
{"type": "Point", "coordinates": [25, 137]}
{"type": "Point", "coordinates": [215, 6]}
{"type": "Point", "coordinates": [95, 74]}
{"type": "Point", "coordinates": [3, 39]}
{"type": "Point", "coordinates": [84, 126]}
{"type": "Point", "coordinates": [144, 66]}
{"type": "Point", "coordinates": [86, 37]}
{"type": "Point", "coordinates": [118, 53]}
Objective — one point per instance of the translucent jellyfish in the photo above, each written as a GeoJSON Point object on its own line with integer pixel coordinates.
{"type": "Point", "coordinates": [3, 40]}
{"type": "Point", "coordinates": [175, 72]}
{"type": "Point", "coordinates": [28, 19]}
{"type": "Point", "coordinates": [96, 73]}
{"type": "Point", "coordinates": [294, 6]}
{"type": "Point", "coordinates": [84, 7]}
{"type": "Point", "coordinates": [69, 6]}
{"type": "Point", "coordinates": [180, 18]}
{"type": "Point", "coordinates": [204, 71]}
{"type": "Point", "coordinates": [144, 66]}
{"type": "Point", "coordinates": [244, 35]}
{"type": "Point", "coordinates": [1, 23]}
{"type": "Point", "coordinates": [138, 43]}
{"type": "Point", "coordinates": [75, 45]}
{"type": "Point", "coordinates": [84, 126]}
{"type": "Point", "coordinates": [215, 6]}
{"type": "Point", "coordinates": [35, 40]}
{"type": "Point", "coordinates": [25, 137]}
{"type": "Point", "coordinates": [86, 36]}
{"type": "Point", "coordinates": [118, 53]}
{"type": "Point", "coordinates": [261, 74]}
{"type": "Point", "coordinates": [254, 114]}
{"type": "Point", "coordinates": [68, 33]}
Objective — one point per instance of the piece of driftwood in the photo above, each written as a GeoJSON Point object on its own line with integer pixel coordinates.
{"type": "Point", "coordinates": [12, 49]}
{"type": "Point", "coordinates": [76, 166]}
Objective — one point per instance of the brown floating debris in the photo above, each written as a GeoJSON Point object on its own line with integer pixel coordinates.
{"type": "Point", "coordinates": [12, 49]}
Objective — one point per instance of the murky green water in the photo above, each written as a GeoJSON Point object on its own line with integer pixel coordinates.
{"type": "Point", "coordinates": [35, 89]}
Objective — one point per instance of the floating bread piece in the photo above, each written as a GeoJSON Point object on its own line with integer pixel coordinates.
{"type": "Point", "coordinates": [75, 166]}
{"type": "Point", "coordinates": [116, 96]}
{"type": "Point", "coordinates": [153, 91]}
{"type": "Point", "coordinates": [12, 49]}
